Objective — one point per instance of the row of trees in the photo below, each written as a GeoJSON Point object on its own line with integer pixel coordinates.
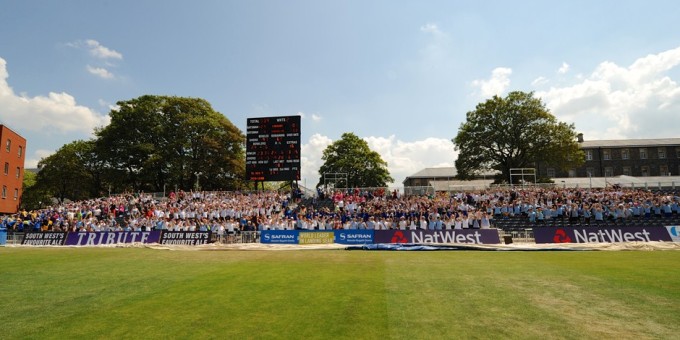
{"type": "Point", "coordinates": [154, 143]}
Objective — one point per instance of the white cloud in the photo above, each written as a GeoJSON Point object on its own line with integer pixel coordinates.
{"type": "Point", "coordinates": [564, 68]}
{"type": "Point", "coordinates": [496, 85]}
{"type": "Point", "coordinates": [638, 101]}
{"type": "Point", "coordinates": [316, 118]}
{"type": "Point", "coordinates": [37, 156]}
{"type": "Point", "coordinates": [54, 113]}
{"type": "Point", "coordinates": [403, 158]}
{"type": "Point", "coordinates": [540, 81]}
{"type": "Point", "coordinates": [99, 72]}
{"type": "Point", "coordinates": [100, 51]}
{"type": "Point", "coordinates": [431, 29]}
{"type": "Point", "coordinates": [310, 159]}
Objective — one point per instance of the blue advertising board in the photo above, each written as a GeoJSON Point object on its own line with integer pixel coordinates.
{"type": "Point", "coordinates": [354, 236]}
{"type": "Point", "coordinates": [279, 236]}
{"type": "Point", "coordinates": [3, 236]}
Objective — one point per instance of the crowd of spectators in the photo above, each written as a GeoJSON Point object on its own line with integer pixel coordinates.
{"type": "Point", "coordinates": [233, 212]}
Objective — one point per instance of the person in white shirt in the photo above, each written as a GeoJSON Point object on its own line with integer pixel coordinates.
{"type": "Point", "coordinates": [402, 223]}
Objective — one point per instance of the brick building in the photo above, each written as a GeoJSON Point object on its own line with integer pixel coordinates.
{"type": "Point", "coordinates": [627, 157]}
{"type": "Point", "coordinates": [12, 156]}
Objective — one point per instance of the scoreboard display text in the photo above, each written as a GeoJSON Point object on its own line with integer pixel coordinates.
{"type": "Point", "coordinates": [273, 149]}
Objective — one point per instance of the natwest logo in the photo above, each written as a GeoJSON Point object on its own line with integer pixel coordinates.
{"type": "Point", "coordinates": [561, 236]}
{"type": "Point", "coordinates": [399, 237]}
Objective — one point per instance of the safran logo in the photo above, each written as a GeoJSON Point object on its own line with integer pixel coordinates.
{"type": "Point", "coordinates": [267, 237]}
{"type": "Point", "coordinates": [343, 236]}
{"type": "Point", "coordinates": [561, 237]}
{"type": "Point", "coordinates": [399, 237]}
{"type": "Point", "coordinates": [674, 231]}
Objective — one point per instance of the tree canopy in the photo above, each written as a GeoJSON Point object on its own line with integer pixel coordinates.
{"type": "Point", "coordinates": [351, 156]}
{"type": "Point", "coordinates": [153, 143]}
{"type": "Point", "coordinates": [517, 131]}
{"type": "Point", "coordinates": [158, 141]}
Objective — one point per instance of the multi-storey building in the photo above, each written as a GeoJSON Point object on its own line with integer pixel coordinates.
{"type": "Point", "coordinates": [628, 157]}
{"type": "Point", "coordinates": [12, 156]}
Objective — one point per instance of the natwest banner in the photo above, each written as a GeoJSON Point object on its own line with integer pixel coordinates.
{"type": "Point", "coordinates": [600, 234]}
{"type": "Point", "coordinates": [101, 238]}
{"type": "Point", "coordinates": [468, 236]}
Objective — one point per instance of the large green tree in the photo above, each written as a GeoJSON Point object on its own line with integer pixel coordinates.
{"type": "Point", "coordinates": [517, 131]}
{"type": "Point", "coordinates": [351, 156]}
{"type": "Point", "coordinates": [154, 142]}
{"type": "Point", "coordinates": [65, 174]}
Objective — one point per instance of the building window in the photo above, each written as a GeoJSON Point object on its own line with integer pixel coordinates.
{"type": "Point", "coordinates": [663, 170]}
{"type": "Point", "coordinates": [625, 154]}
{"type": "Point", "coordinates": [662, 153]}
{"type": "Point", "coordinates": [4, 191]}
{"type": "Point", "coordinates": [18, 172]}
{"type": "Point", "coordinates": [16, 194]}
{"type": "Point", "coordinates": [590, 172]}
{"type": "Point", "coordinates": [6, 168]}
{"type": "Point", "coordinates": [677, 152]}
{"type": "Point", "coordinates": [608, 172]}
{"type": "Point", "coordinates": [589, 155]}
{"type": "Point", "coordinates": [9, 144]}
{"type": "Point", "coordinates": [606, 155]}
{"type": "Point", "coordinates": [626, 171]}
{"type": "Point", "coordinates": [644, 170]}
{"type": "Point", "coordinates": [643, 153]}
{"type": "Point", "coordinates": [21, 150]}
{"type": "Point", "coordinates": [551, 172]}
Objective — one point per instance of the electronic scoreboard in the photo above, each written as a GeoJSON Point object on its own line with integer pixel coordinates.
{"type": "Point", "coordinates": [273, 149]}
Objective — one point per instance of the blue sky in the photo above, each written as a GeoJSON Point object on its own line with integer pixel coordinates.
{"type": "Point", "coordinates": [401, 74]}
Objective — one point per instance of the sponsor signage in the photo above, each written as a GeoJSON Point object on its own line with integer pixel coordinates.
{"type": "Point", "coordinates": [466, 236]}
{"type": "Point", "coordinates": [279, 236]}
{"type": "Point", "coordinates": [3, 236]}
{"type": "Point", "coordinates": [354, 236]}
{"type": "Point", "coordinates": [600, 234]}
{"type": "Point", "coordinates": [44, 239]}
{"type": "Point", "coordinates": [317, 237]}
{"type": "Point", "coordinates": [674, 232]}
{"type": "Point", "coordinates": [187, 238]}
{"type": "Point", "coordinates": [101, 238]}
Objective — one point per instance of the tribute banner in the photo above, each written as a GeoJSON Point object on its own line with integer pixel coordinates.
{"type": "Point", "coordinates": [279, 236]}
{"type": "Point", "coordinates": [467, 236]}
{"type": "Point", "coordinates": [354, 236]}
{"type": "Point", "coordinates": [600, 234]}
{"type": "Point", "coordinates": [44, 239]}
{"type": "Point", "coordinates": [189, 238]}
{"type": "Point", "coordinates": [101, 238]}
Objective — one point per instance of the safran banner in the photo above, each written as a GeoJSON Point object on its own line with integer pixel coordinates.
{"type": "Point", "coordinates": [102, 238]}
{"type": "Point", "coordinates": [600, 234]}
{"type": "Point", "coordinates": [44, 239]}
{"type": "Point", "coordinates": [188, 238]}
{"type": "Point", "coordinates": [279, 236]}
{"type": "Point", "coordinates": [316, 237]}
{"type": "Point", "coordinates": [354, 236]}
{"type": "Point", "coordinates": [674, 232]}
{"type": "Point", "coordinates": [464, 236]}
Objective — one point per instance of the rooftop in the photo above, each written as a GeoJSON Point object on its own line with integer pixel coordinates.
{"type": "Point", "coordinates": [630, 142]}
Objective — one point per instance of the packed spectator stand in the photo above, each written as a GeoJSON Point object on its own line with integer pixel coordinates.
{"type": "Point", "coordinates": [230, 214]}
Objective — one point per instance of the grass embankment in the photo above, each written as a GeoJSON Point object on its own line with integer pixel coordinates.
{"type": "Point", "coordinates": [133, 293]}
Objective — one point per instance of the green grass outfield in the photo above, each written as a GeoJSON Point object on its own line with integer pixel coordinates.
{"type": "Point", "coordinates": [143, 293]}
